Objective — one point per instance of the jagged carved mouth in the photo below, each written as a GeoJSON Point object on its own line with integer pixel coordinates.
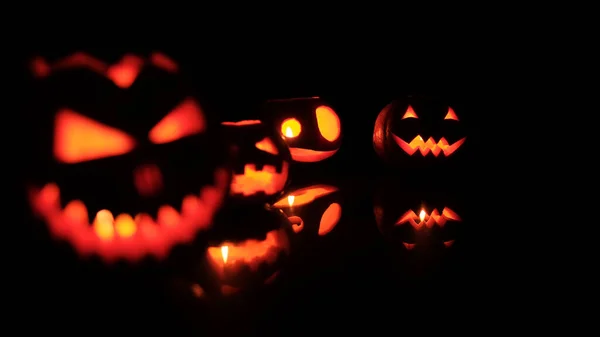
{"type": "Point", "coordinates": [429, 146]}
{"type": "Point", "coordinates": [126, 236]}
{"type": "Point", "coordinates": [428, 220]}
{"type": "Point", "coordinates": [306, 155]}
{"type": "Point", "coordinates": [266, 180]}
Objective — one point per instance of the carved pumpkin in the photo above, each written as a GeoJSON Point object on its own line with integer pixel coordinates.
{"type": "Point", "coordinates": [260, 161]}
{"type": "Point", "coordinates": [313, 211]}
{"type": "Point", "coordinates": [417, 130]}
{"type": "Point", "coordinates": [414, 218]}
{"type": "Point", "coordinates": [247, 249]}
{"type": "Point", "coordinates": [311, 128]}
{"type": "Point", "coordinates": [125, 165]}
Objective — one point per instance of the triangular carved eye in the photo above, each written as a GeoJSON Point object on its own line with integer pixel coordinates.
{"type": "Point", "coordinates": [451, 114]}
{"type": "Point", "coordinates": [410, 113]}
{"type": "Point", "coordinates": [185, 120]}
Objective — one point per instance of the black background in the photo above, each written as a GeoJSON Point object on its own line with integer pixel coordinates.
{"type": "Point", "coordinates": [357, 278]}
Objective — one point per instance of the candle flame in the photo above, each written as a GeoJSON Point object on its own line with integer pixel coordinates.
{"type": "Point", "coordinates": [225, 253]}
{"type": "Point", "coordinates": [290, 200]}
{"type": "Point", "coordinates": [289, 132]}
{"type": "Point", "coordinates": [422, 215]}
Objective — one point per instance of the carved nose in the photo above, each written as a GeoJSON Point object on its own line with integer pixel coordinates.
{"type": "Point", "coordinates": [148, 180]}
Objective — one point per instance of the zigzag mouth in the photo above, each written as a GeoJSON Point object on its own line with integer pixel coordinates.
{"type": "Point", "coordinates": [253, 181]}
{"type": "Point", "coordinates": [126, 236]}
{"type": "Point", "coordinates": [429, 146]}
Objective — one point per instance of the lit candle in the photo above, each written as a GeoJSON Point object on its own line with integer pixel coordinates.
{"type": "Point", "coordinates": [224, 253]}
{"type": "Point", "coordinates": [290, 199]}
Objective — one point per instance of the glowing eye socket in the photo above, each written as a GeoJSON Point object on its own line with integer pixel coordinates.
{"type": "Point", "coordinates": [78, 138]}
{"type": "Point", "coordinates": [267, 145]}
{"type": "Point", "coordinates": [410, 113]}
{"type": "Point", "coordinates": [185, 120]}
{"type": "Point", "coordinates": [328, 123]}
{"type": "Point", "coordinates": [291, 128]}
{"type": "Point", "coordinates": [451, 114]}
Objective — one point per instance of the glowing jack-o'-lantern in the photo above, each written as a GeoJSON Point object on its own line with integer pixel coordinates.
{"type": "Point", "coordinates": [415, 218]}
{"type": "Point", "coordinates": [260, 160]}
{"type": "Point", "coordinates": [126, 165]}
{"type": "Point", "coordinates": [313, 211]}
{"type": "Point", "coordinates": [311, 128]}
{"type": "Point", "coordinates": [247, 249]}
{"type": "Point", "coordinates": [418, 128]}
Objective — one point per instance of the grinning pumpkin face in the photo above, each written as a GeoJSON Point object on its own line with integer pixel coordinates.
{"type": "Point", "coordinates": [313, 211]}
{"type": "Point", "coordinates": [311, 128]}
{"type": "Point", "coordinates": [248, 248]}
{"type": "Point", "coordinates": [413, 218]}
{"type": "Point", "coordinates": [126, 165]}
{"type": "Point", "coordinates": [417, 127]}
{"type": "Point", "coordinates": [261, 160]}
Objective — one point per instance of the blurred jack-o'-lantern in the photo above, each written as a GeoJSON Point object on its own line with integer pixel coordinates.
{"type": "Point", "coordinates": [416, 218]}
{"type": "Point", "coordinates": [126, 164]}
{"type": "Point", "coordinates": [313, 211]}
{"type": "Point", "coordinates": [260, 161]}
{"type": "Point", "coordinates": [247, 248]}
{"type": "Point", "coordinates": [418, 128]}
{"type": "Point", "coordinates": [311, 128]}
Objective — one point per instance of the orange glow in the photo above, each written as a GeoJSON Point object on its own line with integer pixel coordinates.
{"type": "Point", "coordinates": [267, 145]}
{"type": "Point", "coordinates": [310, 156]}
{"type": "Point", "coordinates": [304, 196]}
{"type": "Point", "coordinates": [148, 180]}
{"type": "Point", "coordinates": [328, 123]}
{"type": "Point", "coordinates": [78, 138]}
{"type": "Point", "coordinates": [410, 113]}
{"type": "Point", "coordinates": [330, 218]}
{"type": "Point", "coordinates": [224, 253]}
{"type": "Point", "coordinates": [185, 120]}
{"type": "Point", "coordinates": [242, 123]}
{"type": "Point", "coordinates": [124, 73]}
{"type": "Point", "coordinates": [428, 220]}
{"type": "Point", "coordinates": [266, 180]}
{"type": "Point", "coordinates": [250, 253]}
{"type": "Point", "coordinates": [297, 223]}
{"type": "Point", "coordinates": [291, 128]}
{"type": "Point", "coordinates": [164, 62]}
{"type": "Point", "coordinates": [197, 290]}
{"type": "Point", "coordinates": [451, 114]}
{"type": "Point", "coordinates": [125, 236]}
{"type": "Point", "coordinates": [430, 146]}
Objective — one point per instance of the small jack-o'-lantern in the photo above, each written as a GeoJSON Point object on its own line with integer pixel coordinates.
{"type": "Point", "coordinates": [126, 165]}
{"type": "Point", "coordinates": [260, 160]}
{"type": "Point", "coordinates": [247, 249]}
{"type": "Point", "coordinates": [415, 218]}
{"type": "Point", "coordinates": [418, 128]}
{"type": "Point", "coordinates": [311, 128]}
{"type": "Point", "coordinates": [313, 211]}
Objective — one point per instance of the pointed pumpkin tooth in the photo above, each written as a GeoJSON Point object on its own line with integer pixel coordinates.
{"type": "Point", "coordinates": [50, 194]}
{"type": "Point", "coordinates": [210, 196]}
{"type": "Point", "coordinates": [104, 225]}
{"type": "Point", "coordinates": [190, 204]}
{"type": "Point", "coordinates": [167, 216]}
{"type": "Point", "coordinates": [77, 212]}
{"type": "Point", "coordinates": [125, 226]}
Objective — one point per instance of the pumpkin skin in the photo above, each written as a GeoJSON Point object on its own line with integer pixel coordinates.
{"type": "Point", "coordinates": [126, 165]}
{"type": "Point", "coordinates": [417, 130]}
{"type": "Point", "coordinates": [254, 256]}
{"type": "Point", "coordinates": [260, 161]}
{"type": "Point", "coordinates": [310, 127]}
{"type": "Point", "coordinates": [418, 220]}
{"type": "Point", "coordinates": [313, 210]}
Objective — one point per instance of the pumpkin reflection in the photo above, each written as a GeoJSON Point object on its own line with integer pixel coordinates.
{"type": "Point", "coordinates": [313, 211]}
{"type": "Point", "coordinates": [248, 249]}
{"type": "Point", "coordinates": [413, 218]}
{"type": "Point", "coordinates": [311, 128]}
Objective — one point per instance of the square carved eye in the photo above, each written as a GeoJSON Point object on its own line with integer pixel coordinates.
{"type": "Point", "coordinates": [78, 138]}
{"type": "Point", "coordinates": [184, 120]}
